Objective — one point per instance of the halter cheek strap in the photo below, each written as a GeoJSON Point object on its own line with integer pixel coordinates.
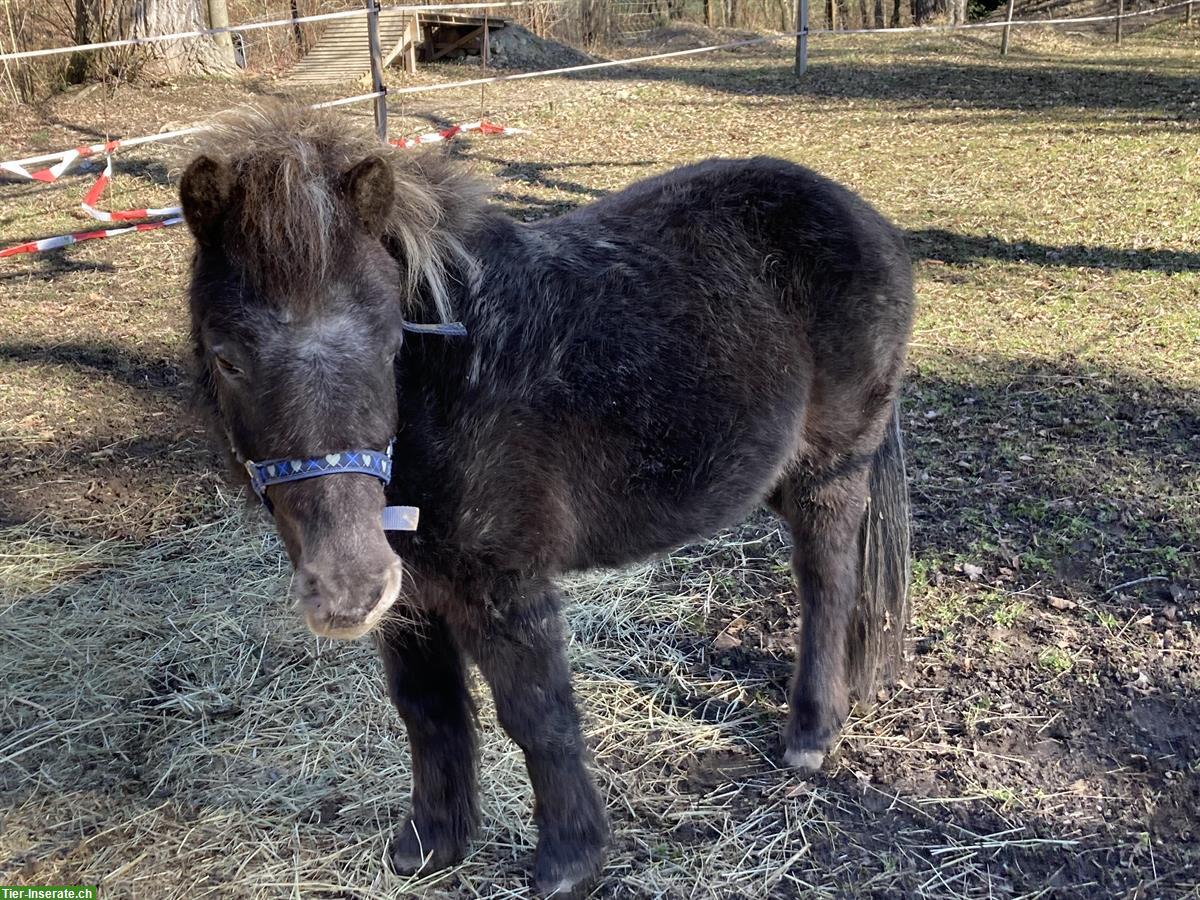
{"type": "Point", "coordinates": [376, 463]}
{"type": "Point", "coordinates": [445, 329]}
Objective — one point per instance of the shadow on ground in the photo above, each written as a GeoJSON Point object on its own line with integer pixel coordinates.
{"type": "Point", "coordinates": [951, 247]}
{"type": "Point", "coordinates": [1045, 726]}
{"type": "Point", "coordinates": [936, 84]}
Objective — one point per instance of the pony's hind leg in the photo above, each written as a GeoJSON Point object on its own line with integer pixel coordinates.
{"type": "Point", "coordinates": [521, 651]}
{"type": "Point", "coordinates": [427, 684]}
{"type": "Point", "coordinates": [824, 510]}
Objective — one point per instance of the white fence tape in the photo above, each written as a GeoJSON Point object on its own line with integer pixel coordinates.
{"type": "Point", "coordinates": [614, 63]}
{"type": "Point", "coordinates": [66, 157]}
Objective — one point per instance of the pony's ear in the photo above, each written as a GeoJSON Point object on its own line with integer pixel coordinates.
{"type": "Point", "coordinates": [204, 194]}
{"type": "Point", "coordinates": [370, 188]}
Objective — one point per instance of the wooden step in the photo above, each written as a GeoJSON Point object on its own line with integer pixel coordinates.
{"type": "Point", "coordinates": [343, 52]}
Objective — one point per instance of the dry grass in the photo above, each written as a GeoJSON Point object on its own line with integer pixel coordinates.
{"type": "Point", "coordinates": [173, 728]}
{"type": "Point", "coordinates": [168, 728]}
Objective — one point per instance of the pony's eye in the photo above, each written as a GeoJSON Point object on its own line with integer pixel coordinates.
{"type": "Point", "coordinates": [226, 366]}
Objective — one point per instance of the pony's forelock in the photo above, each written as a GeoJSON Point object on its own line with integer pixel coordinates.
{"type": "Point", "coordinates": [289, 217]}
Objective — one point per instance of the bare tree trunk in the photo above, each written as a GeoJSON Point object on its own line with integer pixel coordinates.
{"type": "Point", "coordinates": [85, 29]}
{"type": "Point", "coordinates": [218, 17]}
{"type": "Point", "coordinates": [895, 14]}
{"type": "Point", "coordinates": [879, 23]}
{"type": "Point", "coordinates": [923, 11]}
{"type": "Point", "coordinates": [297, 29]}
{"type": "Point", "coordinates": [196, 56]}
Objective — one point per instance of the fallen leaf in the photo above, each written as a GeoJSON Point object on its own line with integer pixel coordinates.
{"type": "Point", "coordinates": [726, 641]}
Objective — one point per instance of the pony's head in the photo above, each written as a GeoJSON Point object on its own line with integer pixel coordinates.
{"type": "Point", "coordinates": [312, 244]}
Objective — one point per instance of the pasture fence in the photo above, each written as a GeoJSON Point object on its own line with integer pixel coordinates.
{"type": "Point", "coordinates": [64, 159]}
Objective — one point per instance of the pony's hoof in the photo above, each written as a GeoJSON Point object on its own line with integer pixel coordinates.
{"type": "Point", "coordinates": [807, 740]}
{"type": "Point", "coordinates": [569, 885]}
{"type": "Point", "coordinates": [414, 849]}
{"type": "Point", "coordinates": [567, 870]}
{"type": "Point", "coordinates": [807, 761]}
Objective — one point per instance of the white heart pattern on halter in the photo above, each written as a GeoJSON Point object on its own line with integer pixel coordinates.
{"type": "Point", "coordinates": [296, 464]}
{"type": "Point", "coordinates": [271, 471]}
{"type": "Point", "coordinates": [366, 459]}
{"type": "Point", "coordinates": [333, 458]}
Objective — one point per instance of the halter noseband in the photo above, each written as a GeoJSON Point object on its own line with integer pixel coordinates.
{"type": "Point", "coordinates": [376, 463]}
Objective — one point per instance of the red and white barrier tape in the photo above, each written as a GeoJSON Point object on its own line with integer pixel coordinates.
{"type": "Point", "coordinates": [66, 159]}
{"type": "Point", "coordinates": [119, 215]}
{"type": "Point", "coordinates": [173, 212]}
{"type": "Point", "coordinates": [483, 127]}
{"type": "Point", "coordinates": [65, 240]}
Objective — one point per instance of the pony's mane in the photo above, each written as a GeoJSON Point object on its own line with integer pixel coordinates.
{"type": "Point", "coordinates": [289, 216]}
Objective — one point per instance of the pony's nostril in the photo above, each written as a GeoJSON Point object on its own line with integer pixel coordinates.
{"type": "Point", "coordinates": [308, 585]}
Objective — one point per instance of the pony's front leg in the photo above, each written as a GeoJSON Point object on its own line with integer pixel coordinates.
{"type": "Point", "coordinates": [522, 654]}
{"type": "Point", "coordinates": [426, 681]}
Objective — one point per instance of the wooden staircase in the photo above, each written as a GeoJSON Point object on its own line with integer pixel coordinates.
{"type": "Point", "coordinates": [343, 54]}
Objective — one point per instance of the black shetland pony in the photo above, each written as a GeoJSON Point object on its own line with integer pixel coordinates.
{"type": "Point", "coordinates": [635, 374]}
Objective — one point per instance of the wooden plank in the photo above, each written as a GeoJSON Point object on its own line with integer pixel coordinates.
{"type": "Point", "coordinates": [343, 52]}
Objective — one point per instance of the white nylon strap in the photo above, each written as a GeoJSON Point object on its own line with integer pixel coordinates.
{"type": "Point", "coordinates": [400, 518]}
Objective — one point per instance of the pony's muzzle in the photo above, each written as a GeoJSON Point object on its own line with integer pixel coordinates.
{"type": "Point", "coordinates": [346, 603]}
{"type": "Point", "coordinates": [347, 576]}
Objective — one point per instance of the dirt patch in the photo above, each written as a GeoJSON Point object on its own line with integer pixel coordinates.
{"type": "Point", "coordinates": [515, 47]}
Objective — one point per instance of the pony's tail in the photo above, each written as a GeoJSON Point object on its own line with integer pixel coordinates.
{"type": "Point", "coordinates": [875, 644]}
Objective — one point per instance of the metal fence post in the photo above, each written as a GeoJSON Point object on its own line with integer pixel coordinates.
{"type": "Point", "coordinates": [1007, 29]}
{"type": "Point", "coordinates": [801, 36]}
{"type": "Point", "coordinates": [377, 69]}
{"type": "Point", "coordinates": [1120, 19]}
{"type": "Point", "coordinates": [485, 52]}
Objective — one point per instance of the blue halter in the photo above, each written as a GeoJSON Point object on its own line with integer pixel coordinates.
{"type": "Point", "coordinates": [376, 463]}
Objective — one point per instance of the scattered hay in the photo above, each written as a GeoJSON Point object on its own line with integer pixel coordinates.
{"type": "Point", "coordinates": [171, 725]}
